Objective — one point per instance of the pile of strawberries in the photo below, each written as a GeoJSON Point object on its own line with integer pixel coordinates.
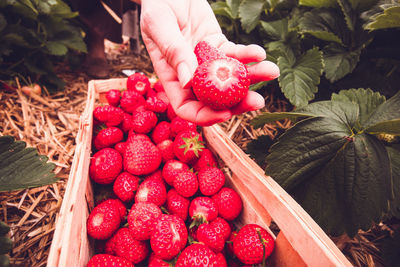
{"type": "Point", "coordinates": [169, 204]}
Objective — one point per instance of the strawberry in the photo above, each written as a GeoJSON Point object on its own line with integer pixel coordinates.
{"type": "Point", "coordinates": [120, 147]}
{"type": "Point", "coordinates": [157, 175]}
{"type": "Point", "coordinates": [230, 243]}
{"type": "Point", "coordinates": [138, 82]}
{"type": "Point", "coordinates": [221, 261]}
{"type": "Point", "coordinates": [177, 204]}
{"type": "Point", "coordinates": [158, 86]}
{"type": "Point", "coordinates": [221, 226]}
{"type": "Point", "coordinates": [171, 169]}
{"type": "Point", "coordinates": [125, 186]}
{"type": "Point", "coordinates": [105, 165]}
{"type": "Point", "coordinates": [221, 83]}
{"type": "Point", "coordinates": [211, 180]}
{"type": "Point", "coordinates": [130, 100]}
{"type": "Point", "coordinates": [167, 150]}
{"type": "Point", "coordinates": [117, 203]}
{"type": "Point", "coordinates": [105, 260]}
{"type": "Point", "coordinates": [161, 132]}
{"type": "Point", "coordinates": [150, 93]}
{"type": "Point", "coordinates": [202, 210]}
{"type": "Point", "coordinates": [155, 261]}
{"type": "Point", "coordinates": [142, 218]}
{"type": "Point", "coordinates": [108, 137]}
{"type": "Point", "coordinates": [103, 221]}
{"type": "Point", "coordinates": [207, 159]}
{"type": "Point", "coordinates": [253, 244]}
{"type": "Point", "coordinates": [180, 125]}
{"type": "Point", "coordinates": [229, 203]}
{"type": "Point", "coordinates": [169, 236]}
{"type": "Point", "coordinates": [207, 234]}
{"type": "Point", "coordinates": [143, 122]}
{"type": "Point", "coordinates": [113, 97]}
{"type": "Point", "coordinates": [170, 112]}
{"type": "Point", "coordinates": [153, 191]}
{"type": "Point", "coordinates": [155, 104]}
{"type": "Point", "coordinates": [127, 123]}
{"type": "Point", "coordinates": [141, 155]}
{"type": "Point", "coordinates": [186, 183]}
{"type": "Point", "coordinates": [197, 255]}
{"type": "Point", "coordinates": [205, 52]}
{"type": "Point", "coordinates": [128, 247]}
{"type": "Point", "coordinates": [109, 115]}
{"type": "Point", "coordinates": [188, 146]}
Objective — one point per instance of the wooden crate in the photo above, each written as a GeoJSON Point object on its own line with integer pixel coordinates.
{"type": "Point", "coordinates": [300, 241]}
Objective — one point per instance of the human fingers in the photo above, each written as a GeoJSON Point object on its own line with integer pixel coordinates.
{"type": "Point", "coordinates": [202, 115]}
{"type": "Point", "coordinates": [252, 101]}
{"type": "Point", "coordinates": [263, 71]}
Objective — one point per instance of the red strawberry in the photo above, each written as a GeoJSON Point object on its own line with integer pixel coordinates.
{"type": "Point", "coordinates": [205, 52]}
{"type": "Point", "coordinates": [202, 210]}
{"type": "Point", "coordinates": [127, 123]}
{"type": "Point", "coordinates": [150, 93]}
{"type": "Point", "coordinates": [158, 86]}
{"type": "Point", "coordinates": [167, 150]}
{"type": "Point", "coordinates": [138, 82]}
{"type": "Point", "coordinates": [253, 244]}
{"type": "Point", "coordinates": [186, 183]}
{"type": "Point", "coordinates": [157, 175]}
{"type": "Point", "coordinates": [171, 169]}
{"type": "Point", "coordinates": [130, 100]}
{"type": "Point", "coordinates": [103, 221]}
{"type": "Point", "coordinates": [105, 165]}
{"type": "Point", "coordinates": [118, 203]}
{"type": "Point", "coordinates": [113, 97]}
{"type": "Point", "coordinates": [169, 236]}
{"type": "Point", "coordinates": [188, 146]}
{"type": "Point", "coordinates": [120, 147]}
{"type": "Point", "coordinates": [161, 132]}
{"type": "Point", "coordinates": [108, 137]}
{"type": "Point", "coordinates": [229, 203]}
{"type": "Point", "coordinates": [222, 226]}
{"type": "Point", "coordinates": [211, 180]}
{"type": "Point", "coordinates": [207, 159]}
{"type": "Point", "coordinates": [143, 122]}
{"type": "Point", "coordinates": [197, 255]}
{"type": "Point", "coordinates": [142, 218]}
{"type": "Point", "coordinates": [170, 112]}
{"type": "Point", "coordinates": [177, 204]}
{"type": "Point", "coordinates": [109, 115]}
{"type": "Point", "coordinates": [153, 191]}
{"type": "Point", "coordinates": [221, 83]}
{"type": "Point", "coordinates": [230, 243]}
{"type": "Point", "coordinates": [141, 155]}
{"type": "Point", "coordinates": [155, 104]}
{"type": "Point", "coordinates": [207, 234]}
{"type": "Point", "coordinates": [105, 260]}
{"type": "Point", "coordinates": [155, 261]}
{"type": "Point", "coordinates": [128, 247]}
{"type": "Point", "coordinates": [221, 261]}
{"type": "Point", "coordinates": [125, 186]}
{"type": "Point", "coordinates": [181, 125]}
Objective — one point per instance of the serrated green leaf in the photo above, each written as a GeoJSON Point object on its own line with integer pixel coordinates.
{"type": "Point", "coordinates": [276, 30]}
{"type": "Point", "coordinates": [349, 14]}
{"type": "Point", "coordinates": [222, 9]}
{"type": "Point", "coordinates": [234, 7]}
{"type": "Point", "coordinates": [268, 117]}
{"type": "Point", "coordinates": [22, 167]}
{"type": "Point", "coordinates": [362, 5]}
{"type": "Point", "coordinates": [56, 48]}
{"type": "Point", "coordinates": [339, 61]}
{"type": "Point", "coordinates": [249, 12]}
{"type": "Point", "coordinates": [387, 111]}
{"type": "Point", "coordinates": [389, 18]}
{"type": "Point", "coordinates": [318, 3]}
{"type": "Point", "coordinates": [385, 127]}
{"type": "Point", "coordinates": [300, 76]}
{"type": "Point", "coordinates": [15, 39]}
{"type": "Point", "coordinates": [366, 99]}
{"type": "Point", "coordinates": [324, 24]}
{"type": "Point", "coordinates": [394, 155]}
{"type": "Point", "coordinates": [25, 9]}
{"type": "Point", "coordinates": [62, 10]}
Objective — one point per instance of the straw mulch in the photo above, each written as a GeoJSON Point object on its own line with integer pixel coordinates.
{"type": "Point", "coordinates": [49, 122]}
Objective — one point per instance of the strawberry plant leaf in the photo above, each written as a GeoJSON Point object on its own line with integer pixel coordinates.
{"type": "Point", "coordinates": [389, 17]}
{"type": "Point", "coordinates": [362, 5]}
{"type": "Point", "coordinates": [349, 14]}
{"type": "Point", "coordinates": [276, 30]}
{"type": "Point", "coordinates": [22, 167]}
{"type": "Point", "coordinates": [387, 111]}
{"type": "Point", "coordinates": [222, 9]}
{"type": "Point", "coordinates": [318, 3]}
{"type": "Point", "coordinates": [268, 117]}
{"type": "Point", "coordinates": [56, 48]}
{"type": "Point", "coordinates": [300, 76]}
{"type": "Point", "coordinates": [339, 61]}
{"type": "Point", "coordinates": [394, 155]}
{"type": "Point", "coordinates": [234, 7]}
{"type": "Point", "coordinates": [249, 12]}
{"type": "Point", "coordinates": [385, 127]}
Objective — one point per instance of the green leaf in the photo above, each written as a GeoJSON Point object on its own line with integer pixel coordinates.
{"type": "Point", "coordinates": [362, 5]}
{"type": "Point", "coordinates": [324, 24]}
{"type": "Point", "coordinates": [318, 3]}
{"type": "Point", "coordinates": [56, 48]}
{"type": "Point", "coordinates": [15, 39]}
{"type": "Point", "coordinates": [268, 117]}
{"type": "Point", "coordinates": [258, 86]}
{"type": "Point", "coordinates": [22, 167]}
{"type": "Point", "coordinates": [276, 30]}
{"type": "Point", "coordinates": [62, 10]}
{"type": "Point", "coordinates": [366, 99]}
{"type": "Point", "coordinates": [394, 155]}
{"type": "Point", "coordinates": [234, 7]}
{"type": "Point", "coordinates": [258, 149]}
{"type": "Point", "coordinates": [349, 14]}
{"type": "Point", "coordinates": [339, 61]}
{"type": "Point", "coordinates": [389, 18]}
{"type": "Point", "coordinates": [222, 9]}
{"type": "Point", "coordinates": [249, 12]}
{"type": "Point", "coordinates": [387, 111]}
{"type": "Point", "coordinates": [300, 76]}
{"type": "Point", "coordinates": [385, 127]}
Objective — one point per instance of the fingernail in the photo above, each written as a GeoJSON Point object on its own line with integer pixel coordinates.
{"type": "Point", "coordinates": [184, 75]}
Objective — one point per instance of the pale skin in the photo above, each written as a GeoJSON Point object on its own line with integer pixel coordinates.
{"type": "Point", "coordinates": [170, 31]}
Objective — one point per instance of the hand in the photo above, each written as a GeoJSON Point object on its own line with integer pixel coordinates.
{"type": "Point", "coordinates": [170, 30]}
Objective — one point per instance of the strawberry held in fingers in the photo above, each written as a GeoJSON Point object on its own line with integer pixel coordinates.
{"type": "Point", "coordinates": [206, 52]}
{"type": "Point", "coordinates": [221, 83]}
